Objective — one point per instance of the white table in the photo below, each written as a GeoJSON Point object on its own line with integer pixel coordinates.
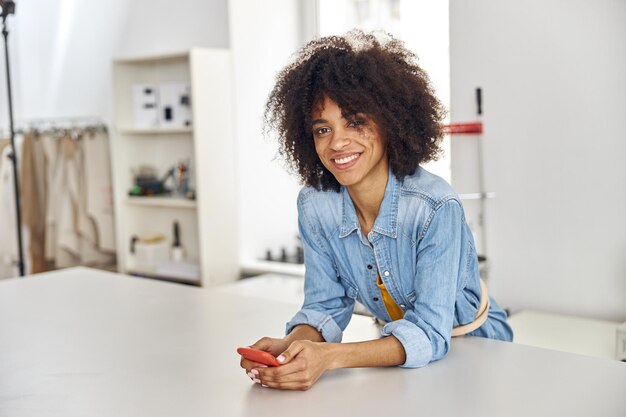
{"type": "Point", "coordinates": [87, 343]}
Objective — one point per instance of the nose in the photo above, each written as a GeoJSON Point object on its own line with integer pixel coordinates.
{"type": "Point", "coordinates": [340, 140]}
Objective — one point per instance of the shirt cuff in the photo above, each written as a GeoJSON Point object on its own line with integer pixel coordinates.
{"type": "Point", "coordinates": [417, 346]}
{"type": "Point", "coordinates": [323, 323]}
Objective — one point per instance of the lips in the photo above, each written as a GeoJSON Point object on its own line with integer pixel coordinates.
{"type": "Point", "coordinates": [346, 161]}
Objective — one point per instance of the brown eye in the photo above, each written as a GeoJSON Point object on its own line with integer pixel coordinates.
{"type": "Point", "coordinates": [356, 122]}
{"type": "Point", "coordinates": [321, 131]}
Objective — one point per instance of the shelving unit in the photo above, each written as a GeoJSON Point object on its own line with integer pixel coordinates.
{"type": "Point", "coordinates": [208, 224]}
{"type": "Point", "coordinates": [172, 132]}
{"type": "Point", "coordinates": [173, 202]}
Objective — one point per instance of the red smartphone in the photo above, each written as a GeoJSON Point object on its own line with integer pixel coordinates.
{"type": "Point", "coordinates": [259, 356]}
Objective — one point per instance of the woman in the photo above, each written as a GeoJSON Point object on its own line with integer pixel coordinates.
{"type": "Point", "coordinates": [356, 116]}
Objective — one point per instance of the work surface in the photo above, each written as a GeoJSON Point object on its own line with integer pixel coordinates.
{"type": "Point", "coordinates": [87, 343]}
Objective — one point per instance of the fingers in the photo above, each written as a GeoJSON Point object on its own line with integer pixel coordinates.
{"type": "Point", "coordinates": [264, 343]}
{"type": "Point", "coordinates": [294, 376]}
{"type": "Point", "coordinates": [299, 370]}
{"type": "Point", "coordinates": [297, 380]}
{"type": "Point", "coordinates": [292, 351]}
{"type": "Point", "coordinates": [249, 365]}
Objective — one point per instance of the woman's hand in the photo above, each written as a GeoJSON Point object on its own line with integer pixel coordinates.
{"type": "Point", "coordinates": [302, 364]}
{"type": "Point", "coordinates": [267, 344]}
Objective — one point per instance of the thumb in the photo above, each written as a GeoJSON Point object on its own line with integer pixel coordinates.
{"type": "Point", "coordinates": [292, 351]}
{"type": "Point", "coordinates": [264, 344]}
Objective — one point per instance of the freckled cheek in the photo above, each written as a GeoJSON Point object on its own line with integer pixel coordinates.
{"type": "Point", "coordinates": [369, 135]}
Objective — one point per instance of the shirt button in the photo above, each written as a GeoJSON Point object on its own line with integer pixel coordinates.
{"type": "Point", "coordinates": [369, 267]}
{"type": "Point", "coordinates": [375, 298]}
{"type": "Point", "coordinates": [402, 306]}
{"type": "Point", "coordinates": [386, 273]}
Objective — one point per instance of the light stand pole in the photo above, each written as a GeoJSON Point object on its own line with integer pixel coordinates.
{"type": "Point", "coordinates": [8, 7]}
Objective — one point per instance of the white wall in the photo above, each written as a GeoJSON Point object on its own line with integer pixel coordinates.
{"type": "Point", "coordinates": [61, 60]}
{"type": "Point", "coordinates": [61, 50]}
{"type": "Point", "coordinates": [160, 26]}
{"type": "Point", "coordinates": [60, 54]}
{"type": "Point", "coordinates": [263, 37]}
{"type": "Point", "coordinates": [553, 75]}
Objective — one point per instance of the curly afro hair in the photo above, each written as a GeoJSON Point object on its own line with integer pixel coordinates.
{"type": "Point", "coordinates": [365, 73]}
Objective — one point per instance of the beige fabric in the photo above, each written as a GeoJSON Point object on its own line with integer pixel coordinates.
{"type": "Point", "coordinates": [59, 199]}
{"type": "Point", "coordinates": [33, 199]}
{"type": "Point", "coordinates": [71, 236]}
{"type": "Point", "coordinates": [51, 155]}
{"type": "Point", "coordinates": [90, 228]}
{"type": "Point", "coordinates": [99, 189]}
{"type": "Point", "coordinates": [479, 319]}
{"type": "Point", "coordinates": [65, 184]}
{"type": "Point", "coordinates": [481, 315]}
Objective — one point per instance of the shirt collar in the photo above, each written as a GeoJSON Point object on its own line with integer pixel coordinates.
{"type": "Point", "coordinates": [386, 222]}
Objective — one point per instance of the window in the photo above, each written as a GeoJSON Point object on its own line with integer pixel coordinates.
{"type": "Point", "coordinates": [423, 25]}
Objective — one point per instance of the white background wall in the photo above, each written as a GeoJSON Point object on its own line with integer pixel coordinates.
{"type": "Point", "coordinates": [264, 35]}
{"type": "Point", "coordinates": [555, 95]}
{"type": "Point", "coordinates": [61, 50]}
{"type": "Point", "coordinates": [61, 53]}
{"type": "Point", "coordinates": [553, 75]}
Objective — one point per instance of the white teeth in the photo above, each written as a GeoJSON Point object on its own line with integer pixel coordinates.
{"type": "Point", "coordinates": [346, 159]}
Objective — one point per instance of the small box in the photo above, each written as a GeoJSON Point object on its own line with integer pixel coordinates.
{"type": "Point", "coordinates": [148, 251]}
{"type": "Point", "coordinates": [145, 106]}
{"type": "Point", "coordinates": [175, 105]}
{"type": "Point", "coordinates": [620, 345]}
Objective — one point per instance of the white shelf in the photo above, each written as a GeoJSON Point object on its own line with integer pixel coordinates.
{"type": "Point", "coordinates": [154, 60]}
{"type": "Point", "coordinates": [172, 202]}
{"type": "Point", "coordinates": [150, 132]}
{"type": "Point", "coordinates": [258, 267]}
{"type": "Point", "coordinates": [206, 224]}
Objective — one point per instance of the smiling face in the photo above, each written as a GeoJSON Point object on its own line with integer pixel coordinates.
{"type": "Point", "coordinates": [351, 148]}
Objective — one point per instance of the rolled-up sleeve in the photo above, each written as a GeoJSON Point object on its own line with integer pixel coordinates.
{"type": "Point", "coordinates": [426, 328]}
{"type": "Point", "coordinates": [327, 304]}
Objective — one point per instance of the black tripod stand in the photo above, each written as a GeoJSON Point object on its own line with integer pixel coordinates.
{"type": "Point", "coordinates": [8, 8]}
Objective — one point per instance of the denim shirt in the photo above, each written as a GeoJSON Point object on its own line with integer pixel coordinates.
{"type": "Point", "coordinates": [422, 248]}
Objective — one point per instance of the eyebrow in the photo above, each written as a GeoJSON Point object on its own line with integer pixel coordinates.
{"type": "Point", "coordinates": [345, 116]}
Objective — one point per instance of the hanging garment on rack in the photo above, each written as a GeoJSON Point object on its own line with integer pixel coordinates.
{"type": "Point", "coordinates": [8, 219]}
{"type": "Point", "coordinates": [71, 236]}
{"type": "Point", "coordinates": [91, 252]}
{"type": "Point", "coordinates": [8, 246]}
{"type": "Point", "coordinates": [66, 198]}
{"type": "Point", "coordinates": [32, 189]}
{"type": "Point", "coordinates": [99, 189]}
{"type": "Point", "coordinates": [51, 154]}
{"type": "Point", "coordinates": [66, 181]}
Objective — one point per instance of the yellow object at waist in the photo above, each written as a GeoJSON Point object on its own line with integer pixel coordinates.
{"type": "Point", "coordinates": [392, 308]}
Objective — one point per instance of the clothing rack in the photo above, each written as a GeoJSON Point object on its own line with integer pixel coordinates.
{"type": "Point", "coordinates": [75, 128]}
